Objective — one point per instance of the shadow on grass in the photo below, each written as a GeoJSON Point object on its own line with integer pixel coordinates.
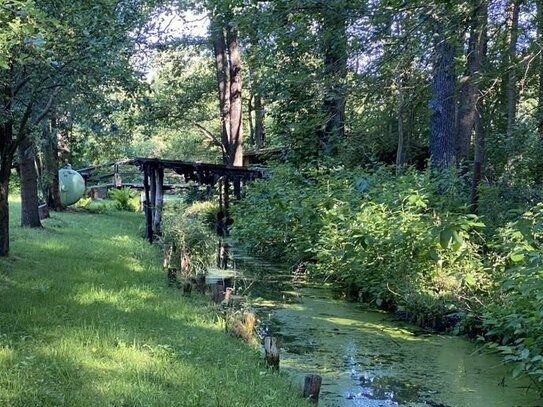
{"type": "Point", "coordinates": [86, 320]}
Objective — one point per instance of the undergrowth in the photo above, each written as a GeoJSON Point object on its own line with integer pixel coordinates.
{"type": "Point", "coordinates": [407, 244]}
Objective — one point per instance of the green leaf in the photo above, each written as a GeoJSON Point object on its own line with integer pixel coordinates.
{"type": "Point", "coordinates": [470, 280]}
{"type": "Point", "coordinates": [445, 238]}
{"type": "Point", "coordinates": [516, 257]}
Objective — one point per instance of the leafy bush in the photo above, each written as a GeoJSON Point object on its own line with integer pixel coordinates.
{"type": "Point", "coordinates": [193, 241]}
{"type": "Point", "coordinates": [203, 211]}
{"type": "Point", "coordinates": [392, 247]}
{"type": "Point", "coordinates": [406, 243]}
{"type": "Point", "coordinates": [401, 242]}
{"type": "Point", "coordinates": [513, 318]}
{"type": "Point", "coordinates": [126, 199]}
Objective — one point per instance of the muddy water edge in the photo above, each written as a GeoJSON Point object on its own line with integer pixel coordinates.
{"type": "Point", "coordinates": [370, 358]}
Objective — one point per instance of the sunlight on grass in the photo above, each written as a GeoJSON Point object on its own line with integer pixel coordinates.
{"type": "Point", "coordinates": [86, 320]}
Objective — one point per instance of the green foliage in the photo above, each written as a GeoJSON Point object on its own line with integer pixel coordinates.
{"type": "Point", "coordinates": [394, 241]}
{"type": "Point", "coordinates": [14, 183]}
{"type": "Point", "coordinates": [406, 243]}
{"type": "Point", "coordinates": [188, 232]}
{"type": "Point", "coordinates": [126, 199]}
{"type": "Point", "coordinates": [514, 317]}
{"type": "Point", "coordinates": [203, 211]}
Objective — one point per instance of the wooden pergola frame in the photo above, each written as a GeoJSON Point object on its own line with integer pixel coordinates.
{"type": "Point", "coordinates": [202, 173]}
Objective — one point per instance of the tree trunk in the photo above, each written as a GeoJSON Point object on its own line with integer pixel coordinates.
{"type": "Point", "coordinates": [260, 128]}
{"type": "Point", "coordinates": [6, 156]}
{"type": "Point", "coordinates": [400, 156]}
{"type": "Point", "coordinates": [478, 161]}
{"type": "Point", "coordinates": [5, 170]}
{"type": "Point", "coordinates": [335, 69]}
{"type": "Point", "coordinates": [469, 91]}
{"type": "Point", "coordinates": [250, 110]}
{"type": "Point", "coordinates": [442, 103]}
{"type": "Point", "coordinates": [236, 131]}
{"type": "Point", "coordinates": [222, 72]}
{"type": "Point", "coordinates": [30, 216]}
{"type": "Point", "coordinates": [540, 42]}
{"type": "Point", "coordinates": [513, 11]}
{"type": "Point", "coordinates": [50, 170]}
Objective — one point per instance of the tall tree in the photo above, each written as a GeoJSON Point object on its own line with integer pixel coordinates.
{"type": "Point", "coordinates": [480, 23]}
{"type": "Point", "coordinates": [29, 184]}
{"type": "Point", "coordinates": [539, 24]}
{"type": "Point", "coordinates": [334, 48]}
{"type": "Point", "coordinates": [442, 124]}
{"type": "Point", "coordinates": [228, 71]}
{"type": "Point", "coordinates": [235, 144]}
{"type": "Point", "coordinates": [469, 89]}
{"type": "Point", "coordinates": [513, 12]}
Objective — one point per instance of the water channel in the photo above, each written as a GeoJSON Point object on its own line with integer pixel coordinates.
{"type": "Point", "coordinates": [369, 358]}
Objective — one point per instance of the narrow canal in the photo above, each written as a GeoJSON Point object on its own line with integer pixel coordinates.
{"type": "Point", "coordinates": [369, 358]}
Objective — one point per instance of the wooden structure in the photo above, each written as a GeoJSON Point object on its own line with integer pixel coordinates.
{"type": "Point", "coordinates": [201, 173]}
{"type": "Point", "coordinates": [153, 184]}
{"type": "Point", "coordinates": [263, 155]}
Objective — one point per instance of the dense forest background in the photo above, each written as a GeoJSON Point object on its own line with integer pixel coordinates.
{"type": "Point", "coordinates": [407, 135]}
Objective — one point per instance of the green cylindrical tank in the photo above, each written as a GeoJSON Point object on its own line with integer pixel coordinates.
{"type": "Point", "coordinates": [72, 186]}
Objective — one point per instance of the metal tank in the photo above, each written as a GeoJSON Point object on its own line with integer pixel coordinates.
{"type": "Point", "coordinates": [72, 186]}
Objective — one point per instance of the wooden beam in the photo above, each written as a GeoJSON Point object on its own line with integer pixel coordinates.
{"type": "Point", "coordinates": [237, 188]}
{"type": "Point", "coordinates": [147, 204]}
{"type": "Point", "coordinates": [159, 197]}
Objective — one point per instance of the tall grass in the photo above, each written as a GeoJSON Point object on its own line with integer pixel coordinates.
{"type": "Point", "coordinates": [86, 320]}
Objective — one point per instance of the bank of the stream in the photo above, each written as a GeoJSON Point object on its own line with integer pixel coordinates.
{"type": "Point", "coordinates": [370, 358]}
{"type": "Point", "coordinates": [86, 319]}
{"type": "Point", "coordinates": [407, 243]}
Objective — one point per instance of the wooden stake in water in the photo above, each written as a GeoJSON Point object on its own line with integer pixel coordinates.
{"type": "Point", "coordinates": [312, 387]}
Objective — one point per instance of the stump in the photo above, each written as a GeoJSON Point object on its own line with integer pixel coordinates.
{"type": "Point", "coordinates": [312, 387]}
{"type": "Point", "coordinates": [271, 351]}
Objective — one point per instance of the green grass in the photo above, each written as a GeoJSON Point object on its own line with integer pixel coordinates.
{"type": "Point", "coordinates": [86, 320]}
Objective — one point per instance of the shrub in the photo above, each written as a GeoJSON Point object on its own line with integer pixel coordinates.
{"type": "Point", "coordinates": [126, 199]}
{"type": "Point", "coordinates": [194, 242]}
{"type": "Point", "coordinates": [401, 242]}
{"type": "Point", "coordinates": [513, 318]}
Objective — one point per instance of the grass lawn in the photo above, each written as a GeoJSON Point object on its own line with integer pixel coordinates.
{"type": "Point", "coordinates": [86, 320]}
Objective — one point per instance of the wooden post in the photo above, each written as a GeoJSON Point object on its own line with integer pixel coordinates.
{"type": "Point", "coordinates": [152, 184]}
{"type": "Point", "coordinates": [43, 211]}
{"type": "Point", "coordinates": [217, 293]}
{"type": "Point", "coordinates": [159, 199]}
{"type": "Point", "coordinates": [237, 188]}
{"type": "Point", "coordinates": [312, 387]}
{"type": "Point", "coordinates": [117, 179]}
{"type": "Point", "coordinates": [271, 351]}
{"type": "Point", "coordinates": [201, 282]}
{"type": "Point", "coordinates": [147, 205]}
{"type": "Point", "coordinates": [172, 277]}
{"type": "Point", "coordinates": [226, 199]}
{"type": "Point", "coordinates": [169, 249]}
{"type": "Point", "coordinates": [224, 251]}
